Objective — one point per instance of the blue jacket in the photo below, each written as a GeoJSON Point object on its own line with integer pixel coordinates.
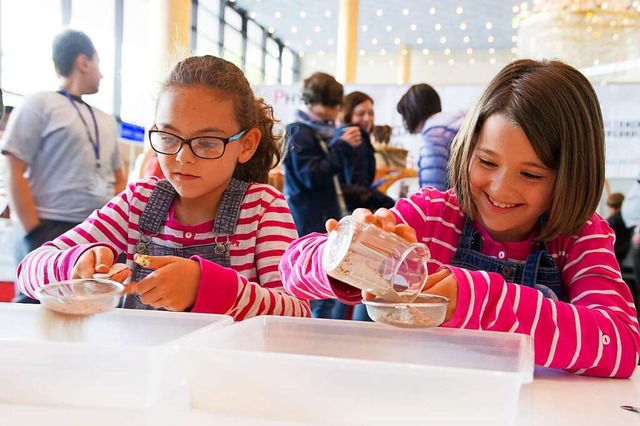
{"type": "Point", "coordinates": [437, 134]}
{"type": "Point", "coordinates": [308, 179]}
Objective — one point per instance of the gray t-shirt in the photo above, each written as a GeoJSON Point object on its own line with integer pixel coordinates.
{"type": "Point", "coordinates": [46, 131]}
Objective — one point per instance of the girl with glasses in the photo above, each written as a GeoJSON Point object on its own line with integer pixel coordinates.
{"type": "Point", "coordinates": [207, 239]}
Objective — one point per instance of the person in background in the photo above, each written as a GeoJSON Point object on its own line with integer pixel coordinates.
{"type": "Point", "coordinates": [504, 247]}
{"type": "Point", "coordinates": [630, 212]}
{"type": "Point", "coordinates": [312, 166]}
{"type": "Point", "coordinates": [358, 170]}
{"type": "Point", "coordinates": [208, 238]}
{"type": "Point", "coordinates": [422, 113]}
{"type": "Point", "coordinates": [622, 231]}
{"type": "Point", "coordinates": [62, 153]}
{"type": "Point", "coordinates": [387, 155]}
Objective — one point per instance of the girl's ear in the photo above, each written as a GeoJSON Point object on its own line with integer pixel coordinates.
{"type": "Point", "coordinates": [250, 142]}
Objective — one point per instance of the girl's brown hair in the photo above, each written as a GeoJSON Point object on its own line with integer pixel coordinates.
{"type": "Point", "coordinates": [558, 110]}
{"type": "Point", "coordinates": [350, 102]}
{"type": "Point", "coordinates": [250, 112]}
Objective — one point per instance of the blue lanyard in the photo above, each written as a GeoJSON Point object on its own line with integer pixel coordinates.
{"type": "Point", "coordinates": [95, 143]}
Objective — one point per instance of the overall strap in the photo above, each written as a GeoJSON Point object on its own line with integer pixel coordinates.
{"type": "Point", "coordinates": [157, 208]}
{"type": "Point", "coordinates": [229, 208]}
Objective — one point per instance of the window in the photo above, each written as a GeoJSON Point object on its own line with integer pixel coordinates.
{"type": "Point", "coordinates": [26, 46]}
{"type": "Point", "coordinates": [136, 98]}
{"type": "Point", "coordinates": [208, 30]}
{"type": "Point", "coordinates": [96, 18]}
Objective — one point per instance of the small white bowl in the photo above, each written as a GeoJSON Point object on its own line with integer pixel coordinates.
{"type": "Point", "coordinates": [425, 311]}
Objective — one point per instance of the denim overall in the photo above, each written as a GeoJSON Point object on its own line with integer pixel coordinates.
{"type": "Point", "coordinates": [154, 216]}
{"type": "Point", "coordinates": [539, 270]}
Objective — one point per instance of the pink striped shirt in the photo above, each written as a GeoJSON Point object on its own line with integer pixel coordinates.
{"type": "Point", "coordinates": [250, 287]}
{"type": "Point", "coordinates": [596, 333]}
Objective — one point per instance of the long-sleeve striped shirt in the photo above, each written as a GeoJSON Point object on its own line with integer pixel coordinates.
{"type": "Point", "coordinates": [250, 287]}
{"type": "Point", "coordinates": [596, 333]}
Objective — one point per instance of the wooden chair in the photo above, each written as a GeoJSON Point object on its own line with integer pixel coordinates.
{"type": "Point", "coordinates": [386, 176]}
{"type": "Point", "coordinates": [276, 178]}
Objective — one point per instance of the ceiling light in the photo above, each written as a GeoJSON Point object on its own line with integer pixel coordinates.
{"type": "Point", "coordinates": [438, 27]}
{"type": "Point", "coordinates": [294, 30]}
{"type": "Point", "coordinates": [451, 61]}
{"type": "Point", "coordinates": [488, 25]}
{"type": "Point", "coordinates": [388, 28]}
{"type": "Point", "coordinates": [405, 12]}
{"type": "Point", "coordinates": [514, 50]}
{"type": "Point", "coordinates": [492, 51]}
{"type": "Point", "coordinates": [383, 52]}
{"type": "Point", "coordinates": [425, 51]}
{"type": "Point", "coordinates": [443, 40]}
{"type": "Point", "coordinates": [374, 41]}
{"type": "Point", "coordinates": [271, 30]}
{"type": "Point", "coordinates": [472, 61]}
{"type": "Point", "coordinates": [287, 43]}
{"type": "Point", "coordinates": [463, 26]}
{"type": "Point", "coordinates": [404, 52]}
{"type": "Point", "coordinates": [327, 13]}
{"type": "Point", "coordinates": [514, 25]}
{"type": "Point", "coordinates": [317, 29]}
{"type": "Point", "coordinates": [469, 51]}
{"type": "Point", "coordinates": [364, 28]}
{"type": "Point", "coordinates": [303, 14]}
{"type": "Point", "coordinates": [459, 10]}
{"type": "Point", "coordinates": [447, 51]}
{"type": "Point", "coordinates": [465, 39]}
{"type": "Point", "coordinates": [301, 54]}
{"type": "Point", "coordinates": [379, 12]}
{"type": "Point", "coordinates": [252, 15]}
{"type": "Point", "coordinates": [490, 39]}
{"type": "Point", "coordinates": [419, 40]}
{"type": "Point", "coordinates": [432, 11]}
{"type": "Point", "coordinates": [413, 27]}
{"type": "Point", "coordinates": [362, 52]}
{"type": "Point", "coordinates": [514, 38]}
{"type": "Point", "coordinates": [396, 40]}
{"type": "Point", "coordinates": [515, 9]}
{"type": "Point", "coordinates": [278, 15]}
{"type": "Point", "coordinates": [430, 62]}
{"type": "Point", "coordinates": [492, 61]}
{"type": "Point", "coordinates": [321, 53]}
{"type": "Point", "coordinates": [371, 62]}
{"type": "Point", "coordinates": [330, 42]}
{"type": "Point", "coordinates": [308, 42]}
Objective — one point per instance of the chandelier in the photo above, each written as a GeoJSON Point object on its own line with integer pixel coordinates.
{"type": "Point", "coordinates": [583, 33]}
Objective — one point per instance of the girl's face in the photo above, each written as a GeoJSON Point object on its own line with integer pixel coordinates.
{"type": "Point", "coordinates": [510, 186]}
{"type": "Point", "coordinates": [192, 111]}
{"type": "Point", "coordinates": [363, 116]}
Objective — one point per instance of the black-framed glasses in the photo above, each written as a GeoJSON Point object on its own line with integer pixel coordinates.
{"type": "Point", "coordinates": [207, 147]}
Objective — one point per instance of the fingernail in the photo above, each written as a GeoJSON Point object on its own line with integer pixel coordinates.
{"type": "Point", "coordinates": [102, 266]}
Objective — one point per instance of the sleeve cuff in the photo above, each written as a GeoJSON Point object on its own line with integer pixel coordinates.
{"type": "Point", "coordinates": [344, 292]}
{"type": "Point", "coordinates": [218, 288]}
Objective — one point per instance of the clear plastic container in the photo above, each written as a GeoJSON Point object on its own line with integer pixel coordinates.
{"type": "Point", "coordinates": [318, 371]}
{"type": "Point", "coordinates": [121, 359]}
{"type": "Point", "coordinates": [369, 258]}
{"type": "Point", "coordinates": [425, 311]}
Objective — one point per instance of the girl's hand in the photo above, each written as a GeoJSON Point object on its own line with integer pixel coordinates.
{"type": "Point", "coordinates": [382, 219]}
{"type": "Point", "coordinates": [444, 283]}
{"type": "Point", "coordinates": [97, 260]}
{"type": "Point", "coordinates": [173, 285]}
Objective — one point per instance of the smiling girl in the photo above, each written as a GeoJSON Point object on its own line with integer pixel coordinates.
{"type": "Point", "coordinates": [515, 244]}
{"type": "Point", "coordinates": [210, 235]}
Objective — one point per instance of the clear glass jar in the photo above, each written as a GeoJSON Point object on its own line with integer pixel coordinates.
{"type": "Point", "coordinates": [369, 258]}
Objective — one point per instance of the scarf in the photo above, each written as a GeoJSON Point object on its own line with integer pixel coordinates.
{"type": "Point", "coordinates": [324, 129]}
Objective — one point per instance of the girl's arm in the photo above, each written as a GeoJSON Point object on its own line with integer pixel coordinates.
{"type": "Point", "coordinates": [226, 291]}
{"type": "Point", "coordinates": [55, 260]}
{"type": "Point", "coordinates": [595, 334]}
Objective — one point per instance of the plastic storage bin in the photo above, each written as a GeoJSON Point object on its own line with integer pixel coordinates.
{"type": "Point", "coordinates": [123, 358]}
{"type": "Point", "coordinates": [342, 372]}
